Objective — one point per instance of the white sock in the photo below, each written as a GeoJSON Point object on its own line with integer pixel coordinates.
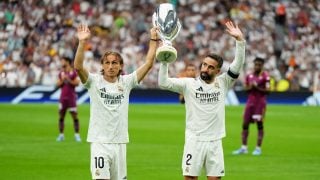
{"type": "Point", "coordinates": [244, 146]}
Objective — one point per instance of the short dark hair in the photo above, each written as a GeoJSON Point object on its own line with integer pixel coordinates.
{"type": "Point", "coordinates": [259, 59]}
{"type": "Point", "coordinates": [216, 57]}
{"type": "Point", "coordinates": [66, 58]}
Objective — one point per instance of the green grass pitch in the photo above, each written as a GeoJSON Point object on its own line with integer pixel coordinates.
{"type": "Point", "coordinates": [28, 150]}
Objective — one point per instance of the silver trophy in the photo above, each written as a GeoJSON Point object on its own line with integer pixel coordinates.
{"type": "Point", "coordinates": [165, 17]}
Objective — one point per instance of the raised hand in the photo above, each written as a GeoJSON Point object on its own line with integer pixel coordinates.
{"type": "Point", "coordinates": [83, 32]}
{"type": "Point", "coordinates": [234, 31]}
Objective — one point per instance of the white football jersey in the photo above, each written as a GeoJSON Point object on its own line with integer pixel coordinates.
{"type": "Point", "coordinates": [109, 103]}
{"type": "Point", "coordinates": [204, 104]}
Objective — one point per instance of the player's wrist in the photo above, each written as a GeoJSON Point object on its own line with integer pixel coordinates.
{"type": "Point", "coordinates": [82, 41]}
{"type": "Point", "coordinates": [240, 38]}
{"type": "Point", "coordinates": [154, 39]}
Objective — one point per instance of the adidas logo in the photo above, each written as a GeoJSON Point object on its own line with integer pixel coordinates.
{"type": "Point", "coordinates": [103, 89]}
{"type": "Point", "coordinates": [200, 89]}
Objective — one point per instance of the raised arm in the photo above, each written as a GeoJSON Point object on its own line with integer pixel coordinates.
{"type": "Point", "coordinates": [238, 62]}
{"type": "Point", "coordinates": [163, 78]}
{"type": "Point", "coordinates": [145, 68]}
{"type": "Point", "coordinates": [171, 84]}
{"type": "Point", "coordinates": [83, 35]}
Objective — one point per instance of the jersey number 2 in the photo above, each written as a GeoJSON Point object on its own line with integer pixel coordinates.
{"type": "Point", "coordinates": [189, 156]}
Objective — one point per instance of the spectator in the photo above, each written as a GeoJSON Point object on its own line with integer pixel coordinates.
{"type": "Point", "coordinates": [37, 31]}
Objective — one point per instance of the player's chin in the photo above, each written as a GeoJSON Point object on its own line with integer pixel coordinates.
{"type": "Point", "coordinates": [205, 76]}
{"type": "Point", "coordinates": [111, 73]}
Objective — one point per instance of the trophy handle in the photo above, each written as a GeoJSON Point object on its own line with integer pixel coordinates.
{"type": "Point", "coordinates": [177, 30]}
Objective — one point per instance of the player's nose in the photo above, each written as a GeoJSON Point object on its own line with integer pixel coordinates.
{"type": "Point", "coordinates": [205, 69]}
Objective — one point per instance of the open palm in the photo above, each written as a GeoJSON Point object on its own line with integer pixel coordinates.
{"type": "Point", "coordinates": [234, 31]}
{"type": "Point", "coordinates": [83, 32]}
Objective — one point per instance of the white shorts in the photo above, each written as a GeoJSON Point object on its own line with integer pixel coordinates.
{"type": "Point", "coordinates": [199, 154]}
{"type": "Point", "coordinates": [108, 161]}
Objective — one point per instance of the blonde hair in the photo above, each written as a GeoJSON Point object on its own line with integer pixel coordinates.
{"type": "Point", "coordinates": [118, 57]}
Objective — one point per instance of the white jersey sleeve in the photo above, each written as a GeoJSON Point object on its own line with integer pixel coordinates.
{"type": "Point", "coordinates": [130, 81]}
{"type": "Point", "coordinates": [237, 63]}
{"type": "Point", "coordinates": [172, 84]}
{"type": "Point", "coordinates": [226, 80]}
{"type": "Point", "coordinates": [232, 74]}
{"type": "Point", "coordinates": [90, 79]}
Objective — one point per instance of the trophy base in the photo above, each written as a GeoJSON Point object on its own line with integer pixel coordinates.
{"type": "Point", "coordinates": [166, 54]}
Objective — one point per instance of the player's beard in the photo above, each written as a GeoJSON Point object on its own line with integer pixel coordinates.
{"type": "Point", "coordinates": [205, 76]}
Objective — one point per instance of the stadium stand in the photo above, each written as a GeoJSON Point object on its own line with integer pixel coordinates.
{"type": "Point", "coordinates": [34, 34]}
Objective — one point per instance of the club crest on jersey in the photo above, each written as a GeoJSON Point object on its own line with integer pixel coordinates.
{"type": "Point", "coordinates": [97, 173]}
{"type": "Point", "coordinates": [120, 88]}
{"type": "Point", "coordinates": [216, 85]}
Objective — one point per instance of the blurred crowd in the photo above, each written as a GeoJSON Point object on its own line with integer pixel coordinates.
{"type": "Point", "coordinates": [36, 34]}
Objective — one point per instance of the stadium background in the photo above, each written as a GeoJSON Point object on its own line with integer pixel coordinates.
{"type": "Point", "coordinates": [35, 34]}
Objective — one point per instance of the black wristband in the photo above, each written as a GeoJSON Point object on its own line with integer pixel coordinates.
{"type": "Point", "coordinates": [154, 39]}
{"type": "Point", "coordinates": [233, 75]}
